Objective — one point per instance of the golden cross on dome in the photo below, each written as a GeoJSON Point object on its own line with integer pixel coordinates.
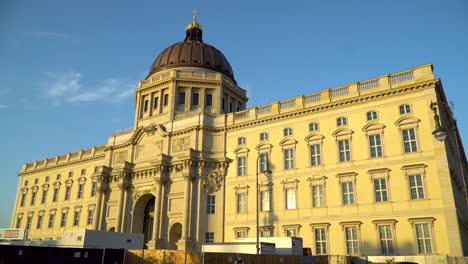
{"type": "Point", "coordinates": [195, 14]}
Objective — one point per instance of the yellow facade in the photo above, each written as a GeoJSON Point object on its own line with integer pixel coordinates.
{"type": "Point", "coordinates": [354, 170]}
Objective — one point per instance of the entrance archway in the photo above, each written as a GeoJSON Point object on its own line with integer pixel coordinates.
{"type": "Point", "coordinates": [174, 235]}
{"type": "Point", "coordinates": [143, 216]}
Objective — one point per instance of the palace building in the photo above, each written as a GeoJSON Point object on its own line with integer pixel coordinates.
{"type": "Point", "coordinates": [375, 167]}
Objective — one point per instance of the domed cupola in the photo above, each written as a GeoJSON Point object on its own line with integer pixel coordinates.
{"type": "Point", "coordinates": [192, 53]}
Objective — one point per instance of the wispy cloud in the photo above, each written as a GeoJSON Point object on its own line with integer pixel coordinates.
{"type": "Point", "coordinates": [68, 87]}
{"type": "Point", "coordinates": [3, 106]}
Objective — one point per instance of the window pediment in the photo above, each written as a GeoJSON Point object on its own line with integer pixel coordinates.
{"type": "Point", "coordinates": [373, 126]}
{"type": "Point", "coordinates": [45, 186]}
{"type": "Point", "coordinates": [69, 182]}
{"type": "Point", "coordinates": [263, 146]}
{"type": "Point", "coordinates": [241, 150]}
{"type": "Point", "coordinates": [288, 141]}
{"type": "Point", "coordinates": [407, 120]}
{"type": "Point", "coordinates": [314, 137]}
{"type": "Point", "coordinates": [343, 132]}
{"type": "Point", "coordinates": [81, 179]}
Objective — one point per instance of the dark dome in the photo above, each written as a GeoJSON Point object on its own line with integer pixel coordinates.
{"type": "Point", "coordinates": [192, 52]}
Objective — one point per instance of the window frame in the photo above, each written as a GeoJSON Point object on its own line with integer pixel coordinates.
{"type": "Point", "coordinates": [315, 156]}
{"type": "Point", "coordinates": [290, 198]}
{"type": "Point", "coordinates": [263, 136]}
{"type": "Point", "coordinates": [241, 204]}
{"type": "Point", "coordinates": [430, 237]}
{"type": "Point", "coordinates": [241, 166]}
{"type": "Point", "coordinates": [241, 141]}
{"type": "Point", "coordinates": [375, 145]}
{"type": "Point", "coordinates": [210, 204]}
{"type": "Point", "coordinates": [314, 126]}
{"type": "Point", "coordinates": [410, 144]}
{"type": "Point", "coordinates": [287, 132]}
{"type": "Point", "coordinates": [372, 116]}
{"type": "Point", "coordinates": [344, 150]}
{"type": "Point", "coordinates": [341, 121]}
{"type": "Point", "coordinates": [405, 109]}
{"type": "Point", "coordinates": [209, 237]}
{"type": "Point", "coordinates": [380, 195]}
{"type": "Point", "coordinates": [348, 196]}
{"type": "Point", "coordinates": [289, 158]}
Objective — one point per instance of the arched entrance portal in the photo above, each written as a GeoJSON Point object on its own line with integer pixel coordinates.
{"type": "Point", "coordinates": [174, 235]}
{"type": "Point", "coordinates": [143, 216]}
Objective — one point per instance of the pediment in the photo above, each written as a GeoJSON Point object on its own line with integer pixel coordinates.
{"type": "Point", "coordinates": [373, 126]}
{"type": "Point", "coordinates": [406, 120]}
{"type": "Point", "coordinates": [314, 137]}
{"type": "Point", "coordinates": [342, 132]}
{"type": "Point", "coordinates": [288, 141]}
{"type": "Point", "coordinates": [148, 130]}
{"type": "Point", "coordinates": [263, 146]}
{"type": "Point", "coordinates": [241, 150]}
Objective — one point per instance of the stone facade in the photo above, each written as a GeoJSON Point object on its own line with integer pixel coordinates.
{"type": "Point", "coordinates": [353, 170]}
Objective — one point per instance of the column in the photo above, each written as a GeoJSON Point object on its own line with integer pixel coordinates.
{"type": "Point", "coordinates": [188, 185]}
{"type": "Point", "coordinates": [157, 213]}
{"type": "Point", "coordinates": [97, 217]}
{"type": "Point", "coordinates": [119, 207]}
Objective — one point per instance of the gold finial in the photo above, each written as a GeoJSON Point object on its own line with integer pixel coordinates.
{"type": "Point", "coordinates": [194, 23]}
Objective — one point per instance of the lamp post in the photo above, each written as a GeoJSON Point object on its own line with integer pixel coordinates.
{"type": "Point", "coordinates": [441, 133]}
{"type": "Point", "coordinates": [265, 171]}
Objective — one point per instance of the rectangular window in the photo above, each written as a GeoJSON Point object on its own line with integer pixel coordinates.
{"type": "Point", "coordinates": [80, 190]}
{"type": "Point", "coordinates": [155, 102]}
{"type": "Point", "coordinates": [39, 221]}
{"type": "Point", "coordinates": [288, 158]}
{"type": "Point", "coordinates": [51, 220]}
{"type": "Point", "coordinates": [241, 203]}
{"type": "Point", "coordinates": [44, 196]}
{"type": "Point", "coordinates": [265, 233]}
{"type": "Point", "coordinates": [386, 239]}
{"type": "Point", "coordinates": [290, 232]}
{"type": "Point", "coordinates": [263, 136]}
{"type": "Point", "coordinates": [195, 99]}
{"type": "Point", "coordinates": [63, 219]}
{"type": "Point", "coordinates": [240, 234]}
{"type": "Point", "coordinates": [416, 187]}
{"type": "Point", "coordinates": [145, 105]}
{"type": "Point", "coordinates": [375, 145]}
{"type": "Point", "coordinates": [67, 193]}
{"type": "Point", "coordinates": [352, 242]}
{"type": "Point", "coordinates": [58, 177]}
{"type": "Point", "coordinates": [90, 217]}
{"type": "Point", "coordinates": [23, 199]}
{"type": "Point", "coordinates": [320, 241]}
{"type": "Point", "coordinates": [56, 193]}
{"type": "Point", "coordinates": [209, 100]}
{"type": "Point", "coordinates": [241, 141]}
{"type": "Point", "coordinates": [264, 166]}
{"type": "Point", "coordinates": [380, 190]}
{"type": "Point", "coordinates": [290, 198]}
{"type": "Point", "coordinates": [83, 172]}
{"type": "Point", "coordinates": [18, 221]}
{"type": "Point", "coordinates": [348, 192]}
{"type": "Point", "coordinates": [76, 218]}
{"type": "Point", "coordinates": [241, 166]}
{"type": "Point", "coordinates": [317, 196]}
{"type": "Point", "coordinates": [93, 189]}
{"type": "Point", "coordinates": [344, 150]}
{"type": "Point", "coordinates": [423, 237]}
{"type": "Point", "coordinates": [409, 140]}
{"type": "Point", "coordinates": [209, 237]}
{"type": "Point", "coordinates": [28, 222]}
{"type": "Point", "coordinates": [33, 198]}
{"type": "Point", "coordinates": [181, 98]}
{"type": "Point", "coordinates": [315, 155]}
{"type": "Point", "coordinates": [265, 200]}
{"type": "Point", "coordinates": [166, 99]}
{"type": "Point", "coordinates": [210, 204]}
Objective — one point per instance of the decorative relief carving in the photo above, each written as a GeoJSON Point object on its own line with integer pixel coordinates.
{"type": "Point", "coordinates": [213, 181]}
{"type": "Point", "coordinates": [139, 150]}
{"type": "Point", "coordinates": [181, 144]}
{"type": "Point", "coordinates": [120, 157]}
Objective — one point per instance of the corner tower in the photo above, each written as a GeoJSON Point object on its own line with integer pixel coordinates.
{"type": "Point", "coordinates": [187, 78]}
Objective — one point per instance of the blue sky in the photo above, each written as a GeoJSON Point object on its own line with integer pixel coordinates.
{"type": "Point", "coordinates": [68, 69]}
